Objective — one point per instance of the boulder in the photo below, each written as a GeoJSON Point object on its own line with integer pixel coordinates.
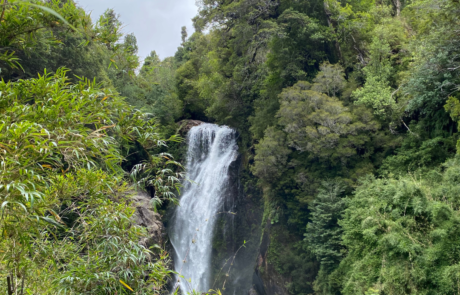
{"type": "Point", "coordinates": [186, 125]}
{"type": "Point", "coordinates": [146, 217]}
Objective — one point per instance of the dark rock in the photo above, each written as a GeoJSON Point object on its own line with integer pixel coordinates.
{"type": "Point", "coordinates": [266, 280]}
{"type": "Point", "coordinates": [186, 125]}
{"type": "Point", "coordinates": [252, 292]}
{"type": "Point", "coordinates": [146, 217]}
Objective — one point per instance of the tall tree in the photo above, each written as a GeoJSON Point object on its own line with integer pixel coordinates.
{"type": "Point", "coordinates": [184, 34]}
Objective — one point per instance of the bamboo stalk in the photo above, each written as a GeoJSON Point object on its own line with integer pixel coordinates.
{"type": "Point", "coordinates": [10, 289]}
{"type": "Point", "coordinates": [3, 10]}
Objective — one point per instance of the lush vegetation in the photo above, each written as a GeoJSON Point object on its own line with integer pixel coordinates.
{"type": "Point", "coordinates": [348, 113]}
{"type": "Point", "coordinates": [65, 198]}
{"type": "Point", "coordinates": [348, 117]}
{"type": "Point", "coordinates": [72, 153]}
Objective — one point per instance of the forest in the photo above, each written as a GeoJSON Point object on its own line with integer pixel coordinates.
{"type": "Point", "coordinates": [348, 118]}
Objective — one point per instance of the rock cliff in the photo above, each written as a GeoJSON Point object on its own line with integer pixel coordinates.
{"type": "Point", "coordinates": [146, 217]}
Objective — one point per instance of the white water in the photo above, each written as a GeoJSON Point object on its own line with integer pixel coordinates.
{"type": "Point", "coordinates": [211, 150]}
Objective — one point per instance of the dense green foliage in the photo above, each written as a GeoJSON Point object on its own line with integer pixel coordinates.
{"type": "Point", "coordinates": [72, 153]}
{"type": "Point", "coordinates": [326, 92]}
{"type": "Point", "coordinates": [401, 234]}
{"type": "Point", "coordinates": [65, 204]}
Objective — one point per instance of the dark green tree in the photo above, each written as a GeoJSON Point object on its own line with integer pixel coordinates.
{"type": "Point", "coordinates": [324, 235]}
{"type": "Point", "coordinates": [184, 34]}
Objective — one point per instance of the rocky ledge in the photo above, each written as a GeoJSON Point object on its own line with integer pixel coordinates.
{"type": "Point", "coordinates": [186, 125]}
{"type": "Point", "coordinates": [146, 217]}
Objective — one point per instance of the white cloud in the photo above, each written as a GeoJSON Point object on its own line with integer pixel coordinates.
{"type": "Point", "coordinates": [156, 23]}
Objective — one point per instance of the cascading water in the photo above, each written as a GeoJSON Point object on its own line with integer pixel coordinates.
{"type": "Point", "coordinates": [211, 150]}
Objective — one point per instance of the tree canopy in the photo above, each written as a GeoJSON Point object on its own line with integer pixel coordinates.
{"type": "Point", "coordinates": [347, 113]}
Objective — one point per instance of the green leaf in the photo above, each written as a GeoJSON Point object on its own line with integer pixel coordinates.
{"type": "Point", "coordinates": [50, 11]}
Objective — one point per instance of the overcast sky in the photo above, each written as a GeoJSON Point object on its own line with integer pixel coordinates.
{"type": "Point", "coordinates": [156, 23]}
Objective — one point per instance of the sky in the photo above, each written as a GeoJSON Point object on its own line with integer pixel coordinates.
{"type": "Point", "coordinates": [156, 23]}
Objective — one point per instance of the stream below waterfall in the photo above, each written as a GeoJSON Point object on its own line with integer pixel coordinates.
{"type": "Point", "coordinates": [211, 151]}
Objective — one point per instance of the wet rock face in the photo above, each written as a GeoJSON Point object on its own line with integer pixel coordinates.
{"type": "Point", "coordinates": [266, 280]}
{"type": "Point", "coordinates": [186, 125]}
{"type": "Point", "coordinates": [146, 217]}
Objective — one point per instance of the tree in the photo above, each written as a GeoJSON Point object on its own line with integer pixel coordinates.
{"type": "Point", "coordinates": [271, 155]}
{"type": "Point", "coordinates": [321, 125]}
{"type": "Point", "coordinates": [324, 236]}
{"type": "Point", "coordinates": [27, 24]}
{"type": "Point", "coordinates": [330, 80]}
{"type": "Point", "coordinates": [377, 92]}
{"type": "Point", "coordinates": [184, 34]}
{"type": "Point", "coordinates": [400, 234]}
{"type": "Point", "coordinates": [434, 75]}
{"type": "Point", "coordinates": [130, 44]}
{"type": "Point", "coordinates": [108, 28]}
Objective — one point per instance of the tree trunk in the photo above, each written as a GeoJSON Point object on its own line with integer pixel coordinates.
{"type": "Point", "coordinates": [397, 4]}
{"type": "Point", "coordinates": [329, 22]}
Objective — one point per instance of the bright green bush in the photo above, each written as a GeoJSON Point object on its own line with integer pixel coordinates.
{"type": "Point", "coordinates": [65, 207]}
{"type": "Point", "coordinates": [402, 235]}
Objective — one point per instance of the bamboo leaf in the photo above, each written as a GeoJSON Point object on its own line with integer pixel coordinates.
{"type": "Point", "coordinates": [50, 221]}
{"type": "Point", "coordinates": [50, 11]}
{"type": "Point", "coordinates": [126, 285]}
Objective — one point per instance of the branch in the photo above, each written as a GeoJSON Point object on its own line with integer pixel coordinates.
{"type": "Point", "coordinates": [3, 13]}
{"type": "Point", "coordinates": [11, 37]}
{"type": "Point", "coordinates": [408, 129]}
{"type": "Point", "coordinates": [394, 92]}
{"type": "Point", "coordinates": [360, 53]}
{"type": "Point", "coordinates": [22, 284]}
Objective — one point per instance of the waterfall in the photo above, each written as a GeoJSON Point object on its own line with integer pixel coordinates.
{"type": "Point", "coordinates": [211, 150]}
